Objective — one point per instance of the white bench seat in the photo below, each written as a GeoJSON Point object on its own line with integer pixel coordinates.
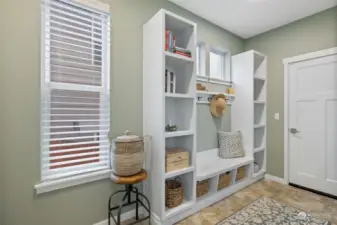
{"type": "Point", "coordinates": [209, 164]}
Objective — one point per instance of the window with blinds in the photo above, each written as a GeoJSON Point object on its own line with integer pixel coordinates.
{"type": "Point", "coordinates": [75, 108]}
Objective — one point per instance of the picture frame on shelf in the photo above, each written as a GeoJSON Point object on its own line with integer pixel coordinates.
{"type": "Point", "coordinates": [170, 81]}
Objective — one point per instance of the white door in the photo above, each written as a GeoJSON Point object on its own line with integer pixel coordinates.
{"type": "Point", "coordinates": [313, 124]}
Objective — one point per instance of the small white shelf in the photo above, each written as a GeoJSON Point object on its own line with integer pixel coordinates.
{"type": "Point", "coordinates": [179, 133]}
{"type": "Point", "coordinates": [215, 93]}
{"type": "Point", "coordinates": [179, 172]}
{"type": "Point", "coordinates": [260, 102]}
{"type": "Point", "coordinates": [206, 102]}
{"type": "Point", "coordinates": [183, 206]}
{"type": "Point", "coordinates": [259, 149]}
{"type": "Point", "coordinates": [176, 95]}
{"type": "Point", "coordinates": [261, 172]}
{"type": "Point", "coordinates": [259, 126]}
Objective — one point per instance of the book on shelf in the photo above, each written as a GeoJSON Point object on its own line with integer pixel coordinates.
{"type": "Point", "coordinates": [183, 54]}
{"type": "Point", "coordinates": [170, 45]}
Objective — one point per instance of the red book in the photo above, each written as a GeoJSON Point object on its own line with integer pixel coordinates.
{"type": "Point", "coordinates": [166, 40]}
{"type": "Point", "coordinates": [183, 54]}
{"type": "Point", "coordinates": [174, 41]}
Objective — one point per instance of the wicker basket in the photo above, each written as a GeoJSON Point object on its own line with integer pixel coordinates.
{"type": "Point", "coordinates": [224, 180]}
{"type": "Point", "coordinates": [202, 188]}
{"type": "Point", "coordinates": [127, 158]}
{"type": "Point", "coordinates": [174, 193]}
{"type": "Point", "coordinates": [241, 173]}
{"type": "Point", "coordinates": [127, 164]}
{"type": "Point", "coordinates": [129, 147]}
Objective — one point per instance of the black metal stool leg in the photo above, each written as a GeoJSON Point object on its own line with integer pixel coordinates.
{"type": "Point", "coordinates": [127, 194]}
{"type": "Point", "coordinates": [137, 202]}
{"type": "Point", "coordinates": [109, 207]}
{"type": "Point", "coordinates": [126, 201]}
{"type": "Point", "coordinates": [148, 207]}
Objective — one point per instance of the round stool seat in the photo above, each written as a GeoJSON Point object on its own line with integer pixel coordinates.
{"type": "Point", "coordinates": [134, 179]}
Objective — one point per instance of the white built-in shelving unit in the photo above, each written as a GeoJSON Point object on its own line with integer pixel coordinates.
{"type": "Point", "coordinates": [161, 108]}
{"type": "Point", "coordinates": [249, 111]}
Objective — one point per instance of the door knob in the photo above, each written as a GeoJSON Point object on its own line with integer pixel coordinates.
{"type": "Point", "coordinates": [293, 130]}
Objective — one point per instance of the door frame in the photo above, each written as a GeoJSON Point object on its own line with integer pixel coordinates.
{"type": "Point", "coordinates": [287, 62]}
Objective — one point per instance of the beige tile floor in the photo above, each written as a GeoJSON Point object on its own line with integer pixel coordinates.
{"type": "Point", "coordinates": [319, 206]}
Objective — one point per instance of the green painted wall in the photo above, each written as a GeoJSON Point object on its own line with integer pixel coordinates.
{"type": "Point", "coordinates": [20, 94]}
{"type": "Point", "coordinates": [307, 35]}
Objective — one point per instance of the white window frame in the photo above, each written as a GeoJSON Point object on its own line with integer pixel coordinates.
{"type": "Point", "coordinates": [46, 86]}
{"type": "Point", "coordinates": [201, 62]}
{"type": "Point", "coordinates": [225, 67]}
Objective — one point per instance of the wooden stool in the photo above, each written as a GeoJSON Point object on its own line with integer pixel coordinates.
{"type": "Point", "coordinates": [129, 188]}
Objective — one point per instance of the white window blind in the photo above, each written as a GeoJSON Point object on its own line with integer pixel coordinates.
{"type": "Point", "coordinates": [220, 65]}
{"type": "Point", "coordinates": [217, 64]}
{"type": "Point", "coordinates": [75, 109]}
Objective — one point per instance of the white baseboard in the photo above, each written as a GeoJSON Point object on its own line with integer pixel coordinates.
{"type": "Point", "coordinates": [274, 178]}
{"type": "Point", "coordinates": [125, 216]}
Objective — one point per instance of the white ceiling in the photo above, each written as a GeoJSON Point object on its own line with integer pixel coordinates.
{"type": "Point", "coordinates": [247, 18]}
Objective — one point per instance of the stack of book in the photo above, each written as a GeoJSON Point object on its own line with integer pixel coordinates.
{"type": "Point", "coordinates": [182, 51]}
{"type": "Point", "coordinates": [170, 45]}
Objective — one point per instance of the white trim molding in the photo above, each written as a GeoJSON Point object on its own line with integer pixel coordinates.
{"type": "Point", "coordinates": [71, 181]}
{"type": "Point", "coordinates": [125, 216]}
{"type": "Point", "coordinates": [275, 178]}
{"type": "Point", "coordinates": [287, 62]}
{"type": "Point", "coordinates": [312, 55]}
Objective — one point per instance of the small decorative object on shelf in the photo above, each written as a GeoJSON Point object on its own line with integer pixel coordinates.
{"type": "Point", "coordinates": [224, 180]}
{"type": "Point", "coordinates": [202, 188]}
{"type": "Point", "coordinates": [241, 172]}
{"type": "Point", "coordinates": [174, 193]}
{"type": "Point", "coordinates": [170, 81]}
{"type": "Point", "coordinates": [170, 127]}
{"type": "Point", "coordinates": [201, 87]}
{"type": "Point", "coordinates": [230, 90]}
{"type": "Point", "coordinates": [176, 159]}
{"type": "Point", "coordinates": [218, 105]}
{"type": "Point", "coordinates": [127, 158]}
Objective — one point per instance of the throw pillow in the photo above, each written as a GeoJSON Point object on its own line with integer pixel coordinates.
{"type": "Point", "coordinates": [230, 145]}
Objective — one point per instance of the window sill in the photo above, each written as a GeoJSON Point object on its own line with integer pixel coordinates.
{"type": "Point", "coordinates": [218, 81]}
{"type": "Point", "coordinates": [49, 186]}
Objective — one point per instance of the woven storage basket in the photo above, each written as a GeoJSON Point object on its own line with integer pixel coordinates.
{"type": "Point", "coordinates": [240, 173]}
{"type": "Point", "coordinates": [224, 180]}
{"type": "Point", "coordinates": [128, 157]}
{"type": "Point", "coordinates": [129, 147]}
{"type": "Point", "coordinates": [127, 164]}
{"type": "Point", "coordinates": [174, 193]}
{"type": "Point", "coordinates": [202, 188]}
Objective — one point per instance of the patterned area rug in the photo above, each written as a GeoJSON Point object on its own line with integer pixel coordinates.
{"type": "Point", "coordinates": [266, 211]}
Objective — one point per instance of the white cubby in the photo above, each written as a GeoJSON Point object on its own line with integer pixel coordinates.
{"type": "Point", "coordinates": [186, 180]}
{"type": "Point", "coordinates": [183, 73]}
{"type": "Point", "coordinates": [183, 29]}
{"type": "Point", "coordinates": [180, 112]}
{"type": "Point", "coordinates": [259, 114]}
{"type": "Point", "coordinates": [184, 142]}
{"type": "Point", "coordinates": [259, 137]}
{"type": "Point", "coordinates": [259, 159]}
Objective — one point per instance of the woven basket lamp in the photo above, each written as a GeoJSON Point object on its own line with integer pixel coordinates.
{"type": "Point", "coordinates": [218, 105]}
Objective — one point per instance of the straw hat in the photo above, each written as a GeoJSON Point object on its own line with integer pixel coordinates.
{"type": "Point", "coordinates": [218, 105]}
